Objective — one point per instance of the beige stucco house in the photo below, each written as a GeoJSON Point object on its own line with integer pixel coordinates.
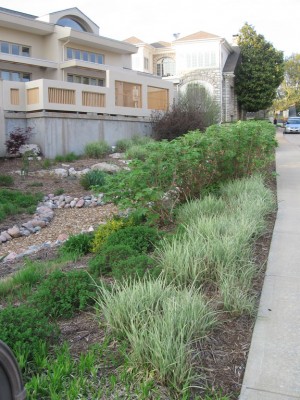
{"type": "Point", "coordinates": [201, 58]}
{"type": "Point", "coordinates": [71, 85]}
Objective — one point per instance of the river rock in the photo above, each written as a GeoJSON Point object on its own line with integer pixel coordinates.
{"type": "Point", "coordinates": [14, 232]}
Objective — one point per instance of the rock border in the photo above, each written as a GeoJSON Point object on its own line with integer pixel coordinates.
{"type": "Point", "coordinates": [42, 217]}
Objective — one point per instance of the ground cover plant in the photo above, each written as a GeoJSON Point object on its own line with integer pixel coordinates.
{"type": "Point", "coordinates": [15, 202]}
{"type": "Point", "coordinates": [152, 328]}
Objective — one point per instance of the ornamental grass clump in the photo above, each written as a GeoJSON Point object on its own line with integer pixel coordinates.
{"type": "Point", "coordinates": [160, 322]}
{"type": "Point", "coordinates": [215, 241]}
{"type": "Point", "coordinates": [97, 149]}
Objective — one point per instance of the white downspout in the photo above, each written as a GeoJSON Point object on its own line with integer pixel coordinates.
{"type": "Point", "coordinates": [63, 58]}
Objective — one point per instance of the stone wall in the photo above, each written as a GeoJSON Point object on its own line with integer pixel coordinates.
{"type": "Point", "coordinates": [61, 133]}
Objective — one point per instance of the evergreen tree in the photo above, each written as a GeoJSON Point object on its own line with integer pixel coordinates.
{"type": "Point", "coordinates": [260, 72]}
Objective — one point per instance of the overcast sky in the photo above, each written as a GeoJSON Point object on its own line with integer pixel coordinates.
{"type": "Point", "coordinates": [276, 20]}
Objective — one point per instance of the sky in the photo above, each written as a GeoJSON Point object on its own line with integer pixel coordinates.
{"type": "Point", "coordinates": [151, 21]}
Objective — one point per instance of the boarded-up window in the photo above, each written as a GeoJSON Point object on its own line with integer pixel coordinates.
{"type": "Point", "coordinates": [33, 96]}
{"type": "Point", "coordinates": [158, 98]}
{"type": "Point", "coordinates": [14, 97]}
{"type": "Point", "coordinates": [61, 96]}
{"type": "Point", "coordinates": [91, 99]}
{"type": "Point", "coordinates": [128, 94]}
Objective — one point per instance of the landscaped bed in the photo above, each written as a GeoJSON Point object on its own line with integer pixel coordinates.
{"type": "Point", "coordinates": [167, 308]}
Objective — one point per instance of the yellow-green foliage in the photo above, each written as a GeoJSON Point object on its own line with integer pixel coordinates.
{"type": "Point", "coordinates": [104, 231]}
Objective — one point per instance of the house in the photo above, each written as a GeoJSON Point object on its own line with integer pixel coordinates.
{"type": "Point", "coordinates": [201, 58]}
{"type": "Point", "coordinates": [71, 85]}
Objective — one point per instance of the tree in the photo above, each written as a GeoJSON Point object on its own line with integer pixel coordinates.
{"type": "Point", "coordinates": [195, 109]}
{"type": "Point", "coordinates": [288, 93]}
{"type": "Point", "coordinates": [260, 71]}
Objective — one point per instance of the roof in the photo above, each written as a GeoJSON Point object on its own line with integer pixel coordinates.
{"type": "Point", "coordinates": [161, 44]}
{"type": "Point", "coordinates": [133, 40]}
{"type": "Point", "coordinates": [232, 60]}
{"type": "Point", "coordinates": [198, 36]}
{"type": "Point", "coordinates": [17, 13]}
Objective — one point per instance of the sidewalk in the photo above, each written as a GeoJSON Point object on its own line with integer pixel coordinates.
{"type": "Point", "coordinates": [273, 367]}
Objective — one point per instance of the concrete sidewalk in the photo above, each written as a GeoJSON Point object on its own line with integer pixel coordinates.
{"type": "Point", "coordinates": [273, 367]}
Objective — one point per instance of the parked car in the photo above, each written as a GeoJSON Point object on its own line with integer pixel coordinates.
{"type": "Point", "coordinates": [292, 125]}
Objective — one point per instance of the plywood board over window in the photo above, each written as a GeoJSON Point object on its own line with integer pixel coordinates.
{"type": "Point", "coordinates": [158, 98]}
{"type": "Point", "coordinates": [14, 97]}
{"type": "Point", "coordinates": [33, 96]}
{"type": "Point", "coordinates": [128, 94]}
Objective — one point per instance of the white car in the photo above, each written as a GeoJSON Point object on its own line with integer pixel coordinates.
{"type": "Point", "coordinates": [292, 125]}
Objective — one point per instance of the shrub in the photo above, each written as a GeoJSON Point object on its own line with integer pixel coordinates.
{"type": "Point", "coordinates": [134, 266]}
{"type": "Point", "coordinates": [92, 178]}
{"type": "Point", "coordinates": [97, 149]}
{"type": "Point", "coordinates": [69, 157]}
{"type": "Point", "coordinates": [195, 109]}
{"type": "Point", "coordinates": [104, 231]}
{"type": "Point", "coordinates": [77, 245]}
{"type": "Point", "coordinates": [6, 180]}
{"type": "Point", "coordinates": [17, 138]}
{"type": "Point", "coordinates": [122, 145]}
{"type": "Point", "coordinates": [23, 328]}
{"type": "Point", "coordinates": [138, 152]}
{"type": "Point", "coordinates": [109, 256]}
{"type": "Point", "coordinates": [141, 238]}
{"type": "Point", "coordinates": [64, 293]}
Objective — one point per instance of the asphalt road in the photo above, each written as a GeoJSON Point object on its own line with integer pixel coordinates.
{"type": "Point", "coordinates": [293, 138]}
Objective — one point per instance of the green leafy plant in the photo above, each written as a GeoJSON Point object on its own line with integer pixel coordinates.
{"type": "Point", "coordinates": [6, 180]}
{"type": "Point", "coordinates": [92, 178]}
{"type": "Point", "coordinates": [69, 157]}
{"type": "Point", "coordinates": [138, 152]}
{"type": "Point", "coordinates": [109, 256]}
{"type": "Point", "coordinates": [64, 293]}
{"type": "Point", "coordinates": [59, 191]}
{"type": "Point", "coordinates": [15, 202]}
{"type": "Point", "coordinates": [23, 328]}
{"type": "Point", "coordinates": [135, 266]}
{"type": "Point", "coordinates": [140, 238]}
{"type": "Point", "coordinates": [97, 149]}
{"type": "Point", "coordinates": [105, 230]}
{"type": "Point", "coordinates": [77, 245]}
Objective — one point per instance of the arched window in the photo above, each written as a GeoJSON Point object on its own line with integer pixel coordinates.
{"type": "Point", "coordinates": [165, 67]}
{"type": "Point", "coordinates": [71, 23]}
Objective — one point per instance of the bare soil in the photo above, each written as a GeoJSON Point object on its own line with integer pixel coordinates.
{"type": "Point", "coordinates": [223, 355]}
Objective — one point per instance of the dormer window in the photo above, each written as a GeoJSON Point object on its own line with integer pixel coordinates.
{"type": "Point", "coordinates": [72, 23]}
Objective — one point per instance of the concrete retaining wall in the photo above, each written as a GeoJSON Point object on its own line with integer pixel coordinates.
{"type": "Point", "coordinates": [62, 133]}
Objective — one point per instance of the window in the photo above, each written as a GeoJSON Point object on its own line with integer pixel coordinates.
{"type": "Point", "coordinates": [166, 67]}
{"type": "Point", "coordinates": [71, 23]}
{"type": "Point", "coordinates": [200, 60]}
{"type": "Point", "coordinates": [84, 55]}
{"type": "Point", "coordinates": [15, 49]}
{"type": "Point", "coordinates": [16, 76]}
{"type": "Point", "coordinates": [146, 63]}
{"type": "Point", "coordinates": [86, 80]}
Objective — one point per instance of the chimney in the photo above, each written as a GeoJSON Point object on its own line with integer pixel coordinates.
{"type": "Point", "coordinates": [234, 40]}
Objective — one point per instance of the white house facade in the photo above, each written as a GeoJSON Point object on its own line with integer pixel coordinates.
{"type": "Point", "coordinates": [71, 85]}
{"type": "Point", "coordinates": [201, 58]}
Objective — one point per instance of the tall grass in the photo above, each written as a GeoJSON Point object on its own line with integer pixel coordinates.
{"type": "Point", "coordinates": [159, 321]}
{"type": "Point", "coordinates": [216, 240]}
